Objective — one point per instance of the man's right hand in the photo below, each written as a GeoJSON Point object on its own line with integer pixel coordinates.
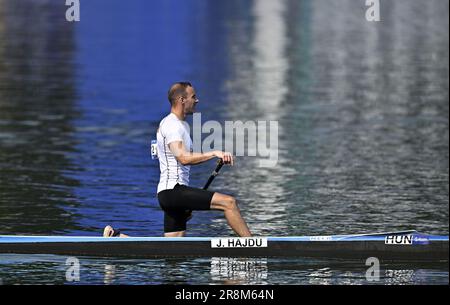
{"type": "Point", "coordinates": [225, 156]}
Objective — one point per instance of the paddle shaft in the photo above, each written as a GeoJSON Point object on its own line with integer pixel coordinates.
{"type": "Point", "coordinates": [214, 174]}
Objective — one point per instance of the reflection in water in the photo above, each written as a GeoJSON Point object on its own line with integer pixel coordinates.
{"type": "Point", "coordinates": [269, 62]}
{"type": "Point", "coordinates": [36, 114]}
{"type": "Point", "coordinates": [256, 92]}
{"type": "Point", "coordinates": [321, 276]}
{"type": "Point", "coordinates": [110, 273]}
{"type": "Point", "coordinates": [402, 276]}
{"type": "Point", "coordinates": [372, 126]}
{"type": "Point", "coordinates": [234, 271]}
{"type": "Point", "coordinates": [45, 269]}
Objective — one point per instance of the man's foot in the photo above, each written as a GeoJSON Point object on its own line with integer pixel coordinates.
{"type": "Point", "coordinates": [110, 232]}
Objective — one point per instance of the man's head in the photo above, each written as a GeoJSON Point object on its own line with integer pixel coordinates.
{"type": "Point", "coordinates": [183, 94]}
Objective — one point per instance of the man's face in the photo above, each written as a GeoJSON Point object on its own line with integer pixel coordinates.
{"type": "Point", "coordinates": [190, 101]}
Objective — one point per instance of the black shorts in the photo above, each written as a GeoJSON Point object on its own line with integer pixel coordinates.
{"type": "Point", "coordinates": [178, 202]}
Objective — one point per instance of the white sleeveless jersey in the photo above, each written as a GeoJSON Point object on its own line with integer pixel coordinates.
{"type": "Point", "coordinates": [172, 129]}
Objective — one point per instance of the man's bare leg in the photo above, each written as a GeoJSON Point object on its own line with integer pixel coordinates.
{"type": "Point", "coordinates": [175, 234]}
{"type": "Point", "coordinates": [109, 231]}
{"type": "Point", "coordinates": [232, 213]}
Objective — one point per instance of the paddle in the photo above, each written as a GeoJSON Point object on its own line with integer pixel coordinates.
{"type": "Point", "coordinates": [214, 174]}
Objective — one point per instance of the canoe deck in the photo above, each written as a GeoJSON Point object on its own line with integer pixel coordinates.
{"type": "Point", "coordinates": [398, 247]}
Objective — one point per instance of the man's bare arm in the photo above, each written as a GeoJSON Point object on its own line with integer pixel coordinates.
{"type": "Point", "coordinates": [190, 158]}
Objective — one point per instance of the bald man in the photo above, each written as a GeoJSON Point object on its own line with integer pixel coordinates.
{"type": "Point", "coordinates": [176, 197]}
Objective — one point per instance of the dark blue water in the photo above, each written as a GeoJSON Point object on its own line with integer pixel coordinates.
{"type": "Point", "coordinates": [362, 110]}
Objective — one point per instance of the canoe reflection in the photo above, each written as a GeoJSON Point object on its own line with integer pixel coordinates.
{"type": "Point", "coordinates": [229, 270]}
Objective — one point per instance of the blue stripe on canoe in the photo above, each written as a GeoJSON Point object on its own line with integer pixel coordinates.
{"type": "Point", "coordinates": [75, 239]}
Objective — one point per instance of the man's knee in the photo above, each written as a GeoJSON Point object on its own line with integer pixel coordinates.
{"type": "Point", "coordinates": [223, 202]}
{"type": "Point", "coordinates": [230, 203]}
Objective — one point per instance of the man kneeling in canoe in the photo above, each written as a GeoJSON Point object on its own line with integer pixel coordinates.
{"type": "Point", "coordinates": [176, 197]}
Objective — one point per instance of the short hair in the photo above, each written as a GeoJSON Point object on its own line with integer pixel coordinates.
{"type": "Point", "coordinates": [177, 89]}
